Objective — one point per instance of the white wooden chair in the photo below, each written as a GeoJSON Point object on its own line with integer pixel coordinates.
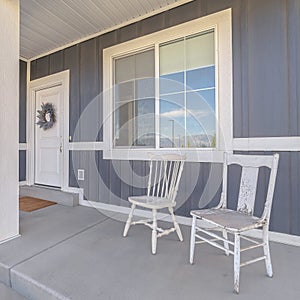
{"type": "Point", "coordinates": [164, 177]}
{"type": "Point", "coordinates": [241, 220]}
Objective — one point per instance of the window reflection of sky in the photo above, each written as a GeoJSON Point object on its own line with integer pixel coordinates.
{"type": "Point", "coordinates": [171, 83]}
{"type": "Point", "coordinates": [200, 78]}
{"type": "Point", "coordinates": [187, 112]}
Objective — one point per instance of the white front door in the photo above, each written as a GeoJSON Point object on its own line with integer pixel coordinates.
{"type": "Point", "coordinates": [48, 143]}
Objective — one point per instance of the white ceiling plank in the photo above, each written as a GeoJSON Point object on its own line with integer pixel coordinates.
{"type": "Point", "coordinates": [28, 22]}
{"type": "Point", "coordinates": [92, 13]}
{"type": "Point", "coordinates": [50, 25]}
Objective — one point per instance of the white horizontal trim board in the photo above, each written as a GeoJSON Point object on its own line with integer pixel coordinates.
{"type": "Point", "coordinates": [192, 155]}
{"type": "Point", "coordinates": [22, 183]}
{"type": "Point", "coordinates": [23, 146]}
{"type": "Point", "coordinates": [134, 20]}
{"type": "Point", "coordinates": [282, 238]}
{"type": "Point", "coordinates": [286, 143]}
{"type": "Point", "coordinates": [86, 146]}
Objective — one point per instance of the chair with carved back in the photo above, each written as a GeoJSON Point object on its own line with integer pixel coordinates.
{"type": "Point", "coordinates": [238, 222]}
{"type": "Point", "coordinates": [164, 177]}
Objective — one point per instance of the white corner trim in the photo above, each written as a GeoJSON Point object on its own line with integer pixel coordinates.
{"type": "Point", "coordinates": [134, 20]}
{"type": "Point", "coordinates": [22, 146]}
{"type": "Point", "coordinates": [86, 146]}
{"type": "Point", "coordinates": [28, 113]}
{"type": "Point", "coordinates": [291, 143]}
{"type": "Point", "coordinates": [277, 237]}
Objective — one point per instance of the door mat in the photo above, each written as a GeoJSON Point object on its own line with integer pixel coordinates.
{"type": "Point", "coordinates": [29, 204]}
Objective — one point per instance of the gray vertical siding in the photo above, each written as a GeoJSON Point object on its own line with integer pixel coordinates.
{"type": "Point", "coordinates": [22, 118]}
{"type": "Point", "coordinates": [22, 102]}
{"type": "Point", "coordinates": [266, 68]}
{"type": "Point", "coordinates": [22, 165]}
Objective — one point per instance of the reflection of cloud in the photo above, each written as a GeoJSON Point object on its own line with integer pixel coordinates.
{"type": "Point", "coordinates": [174, 113]}
{"type": "Point", "coordinates": [199, 113]}
{"type": "Point", "coordinates": [190, 113]}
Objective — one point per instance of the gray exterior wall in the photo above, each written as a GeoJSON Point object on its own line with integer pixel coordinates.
{"type": "Point", "coordinates": [266, 70]}
{"type": "Point", "coordinates": [22, 165]}
{"type": "Point", "coordinates": [22, 119]}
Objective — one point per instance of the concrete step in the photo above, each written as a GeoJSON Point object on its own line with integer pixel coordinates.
{"type": "Point", "coordinates": [51, 194]}
{"type": "Point", "coordinates": [7, 293]}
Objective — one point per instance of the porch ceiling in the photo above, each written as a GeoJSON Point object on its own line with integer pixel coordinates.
{"type": "Point", "coordinates": [48, 25]}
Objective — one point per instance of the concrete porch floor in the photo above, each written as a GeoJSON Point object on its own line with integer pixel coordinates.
{"type": "Point", "coordinates": [79, 253]}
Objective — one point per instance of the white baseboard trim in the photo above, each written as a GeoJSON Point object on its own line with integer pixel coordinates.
{"type": "Point", "coordinates": [137, 212]}
{"type": "Point", "coordinates": [22, 183]}
{"type": "Point", "coordinates": [9, 239]}
{"type": "Point", "coordinates": [278, 237]}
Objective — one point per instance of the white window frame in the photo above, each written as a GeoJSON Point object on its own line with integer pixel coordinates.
{"type": "Point", "coordinates": [221, 23]}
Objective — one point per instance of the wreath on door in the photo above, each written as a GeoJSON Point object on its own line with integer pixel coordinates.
{"type": "Point", "coordinates": [46, 116]}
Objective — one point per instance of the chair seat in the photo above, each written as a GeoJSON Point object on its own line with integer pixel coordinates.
{"type": "Point", "coordinates": [151, 202]}
{"type": "Point", "coordinates": [228, 219]}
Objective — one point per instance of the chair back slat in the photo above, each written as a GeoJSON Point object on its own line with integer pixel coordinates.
{"type": "Point", "coordinates": [247, 193]}
{"type": "Point", "coordinates": [249, 179]}
{"type": "Point", "coordinates": [164, 175]}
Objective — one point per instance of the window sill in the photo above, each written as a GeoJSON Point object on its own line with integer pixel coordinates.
{"type": "Point", "coordinates": [192, 155]}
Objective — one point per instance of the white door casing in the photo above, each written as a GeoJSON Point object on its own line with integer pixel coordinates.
{"type": "Point", "coordinates": [44, 172]}
{"type": "Point", "coordinates": [48, 143]}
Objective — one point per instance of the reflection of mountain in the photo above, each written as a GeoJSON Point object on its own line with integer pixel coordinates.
{"type": "Point", "coordinates": [194, 141]}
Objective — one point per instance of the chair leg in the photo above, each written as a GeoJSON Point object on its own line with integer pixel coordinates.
{"type": "Point", "coordinates": [154, 231]}
{"type": "Point", "coordinates": [177, 228]}
{"type": "Point", "coordinates": [236, 263]}
{"type": "Point", "coordinates": [226, 245]}
{"type": "Point", "coordinates": [128, 222]}
{"type": "Point", "coordinates": [192, 242]}
{"type": "Point", "coordinates": [267, 251]}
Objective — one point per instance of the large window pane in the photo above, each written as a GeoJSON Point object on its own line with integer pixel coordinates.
{"type": "Point", "coordinates": [200, 119]}
{"type": "Point", "coordinates": [171, 59]}
{"type": "Point", "coordinates": [134, 103]}
{"type": "Point", "coordinates": [172, 121]}
{"type": "Point", "coordinates": [171, 83]}
{"type": "Point", "coordinates": [135, 125]}
{"type": "Point", "coordinates": [124, 69]}
{"type": "Point", "coordinates": [145, 88]}
{"type": "Point", "coordinates": [187, 74]}
{"type": "Point", "coordinates": [145, 129]}
{"type": "Point", "coordinates": [200, 50]}
{"type": "Point", "coordinates": [201, 78]}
